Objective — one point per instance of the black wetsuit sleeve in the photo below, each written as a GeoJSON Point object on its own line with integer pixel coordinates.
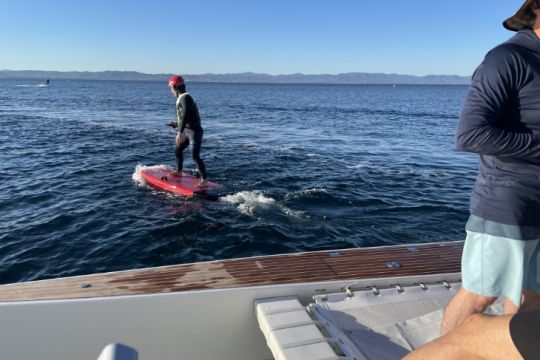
{"type": "Point", "coordinates": [495, 86]}
{"type": "Point", "coordinates": [183, 106]}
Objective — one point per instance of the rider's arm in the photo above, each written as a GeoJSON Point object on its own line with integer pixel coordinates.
{"type": "Point", "coordinates": [183, 103]}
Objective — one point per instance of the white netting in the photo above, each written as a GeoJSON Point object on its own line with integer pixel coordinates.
{"type": "Point", "coordinates": [385, 326]}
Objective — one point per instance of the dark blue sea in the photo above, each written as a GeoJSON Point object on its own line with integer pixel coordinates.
{"type": "Point", "coordinates": [310, 167]}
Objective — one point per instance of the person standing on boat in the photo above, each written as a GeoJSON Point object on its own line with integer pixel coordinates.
{"type": "Point", "coordinates": [500, 121]}
{"type": "Point", "coordinates": [189, 127]}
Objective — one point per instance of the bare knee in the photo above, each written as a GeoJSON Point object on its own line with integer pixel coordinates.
{"type": "Point", "coordinates": [461, 306]}
{"type": "Point", "coordinates": [479, 302]}
{"type": "Point", "coordinates": [482, 303]}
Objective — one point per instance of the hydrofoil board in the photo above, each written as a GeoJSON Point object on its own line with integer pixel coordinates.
{"type": "Point", "coordinates": [186, 184]}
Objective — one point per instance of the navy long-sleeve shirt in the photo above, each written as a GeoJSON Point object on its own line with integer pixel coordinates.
{"type": "Point", "coordinates": [500, 120]}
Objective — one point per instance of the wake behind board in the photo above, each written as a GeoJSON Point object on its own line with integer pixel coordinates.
{"type": "Point", "coordinates": [165, 178]}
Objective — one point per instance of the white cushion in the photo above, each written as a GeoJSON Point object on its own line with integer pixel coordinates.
{"type": "Point", "coordinates": [285, 320]}
{"type": "Point", "coordinates": [319, 351]}
{"type": "Point", "coordinates": [296, 336]}
{"type": "Point", "coordinates": [277, 305]}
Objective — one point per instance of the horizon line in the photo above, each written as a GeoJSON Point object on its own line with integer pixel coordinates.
{"type": "Point", "coordinates": [233, 73]}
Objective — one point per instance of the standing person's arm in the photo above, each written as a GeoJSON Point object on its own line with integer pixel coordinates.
{"type": "Point", "coordinates": [495, 86]}
{"type": "Point", "coordinates": [184, 104]}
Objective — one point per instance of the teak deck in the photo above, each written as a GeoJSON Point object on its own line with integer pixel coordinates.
{"type": "Point", "coordinates": [349, 264]}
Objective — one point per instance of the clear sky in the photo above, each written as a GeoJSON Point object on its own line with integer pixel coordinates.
{"type": "Point", "coordinates": [418, 37]}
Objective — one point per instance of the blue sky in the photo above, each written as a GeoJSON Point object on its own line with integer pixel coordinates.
{"type": "Point", "coordinates": [417, 37]}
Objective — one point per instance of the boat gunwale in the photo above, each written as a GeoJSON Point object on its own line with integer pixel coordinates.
{"type": "Point", "coordinates": [339, 265]}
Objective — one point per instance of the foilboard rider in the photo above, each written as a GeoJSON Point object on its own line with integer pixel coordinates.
{"type": "Point", "coordinates": [188, 124]}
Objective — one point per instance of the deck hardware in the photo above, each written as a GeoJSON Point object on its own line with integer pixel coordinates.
{"type": "Point", "coordinates": [447, 285]}
{"type": "Point", "coordinates": [334, 254]}
{"type": "Point", "coordinates": [324, 298]}
{"type": "Point", "coordinates": [349, 291]}
{"type": "Point", "coordinates": [423, 286]}
{"type": "Point", "coordinates": [413, 249]}
{"type": "Point", "coordinates": [393, 265]}
{"type": "Point", "coordinates": [399, 289]}
{"type": "Point", "coordinates": [85, 285]}
{"type": "Point", "coordinates": [375, 291]}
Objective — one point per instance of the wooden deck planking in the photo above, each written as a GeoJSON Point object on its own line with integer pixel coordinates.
{"type": "Point", "coordinates": [348, 264]}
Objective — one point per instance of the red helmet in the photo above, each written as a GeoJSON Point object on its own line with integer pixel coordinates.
{"type": "Point", "coordinates": [176, 80]}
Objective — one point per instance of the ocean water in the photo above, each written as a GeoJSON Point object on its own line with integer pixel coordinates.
{"type": "Point", "coordinates": [310, 167]}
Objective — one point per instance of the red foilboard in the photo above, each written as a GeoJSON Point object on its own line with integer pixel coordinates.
{"type": "Point", "coordinates": [165, 178]}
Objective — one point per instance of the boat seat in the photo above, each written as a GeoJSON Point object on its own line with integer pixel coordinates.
{"type": "Point", "coordinates": [290, 331]}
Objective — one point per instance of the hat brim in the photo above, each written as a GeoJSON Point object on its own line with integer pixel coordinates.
{"type": "Point", "coordinates": [524, 18]}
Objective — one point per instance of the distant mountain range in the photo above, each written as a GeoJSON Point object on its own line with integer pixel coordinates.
{"type": "Point", "coordinates": [247, 77]}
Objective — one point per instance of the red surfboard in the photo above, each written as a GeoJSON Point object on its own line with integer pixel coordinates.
{"type": "Point", "coordinates": [165, 178]}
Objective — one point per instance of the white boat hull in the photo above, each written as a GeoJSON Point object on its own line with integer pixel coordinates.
{"type": "Point", "coordinates": [206, 324]}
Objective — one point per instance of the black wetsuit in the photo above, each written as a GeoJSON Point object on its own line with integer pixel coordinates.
{"type": "Point", "coordinates": [189, 125]}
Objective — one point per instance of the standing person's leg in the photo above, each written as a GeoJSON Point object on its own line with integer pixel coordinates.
{"type": "Point", "coordinates": [531, 293]}
{"type": "Point", "coordinates": [494, 264]}
{"type": "Point", "coordinates": [464, 304]}
{"type": "Point", "coordinates": [182, 143]}
{"type": "Point", "coordinates": [509, 307]}
{"type": "Point", "coordinates": [196, 152]}
{"type": "Point", "coordinates": [470, 299]}
{"type": "Point", "coordinates": [479, 337]}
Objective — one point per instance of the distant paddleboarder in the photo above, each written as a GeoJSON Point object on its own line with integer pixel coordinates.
{"type": "Point", "coordinates": [189, 128]}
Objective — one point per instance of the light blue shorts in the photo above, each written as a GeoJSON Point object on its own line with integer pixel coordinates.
{"type": "Point", "coordinates": [500, 260]}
